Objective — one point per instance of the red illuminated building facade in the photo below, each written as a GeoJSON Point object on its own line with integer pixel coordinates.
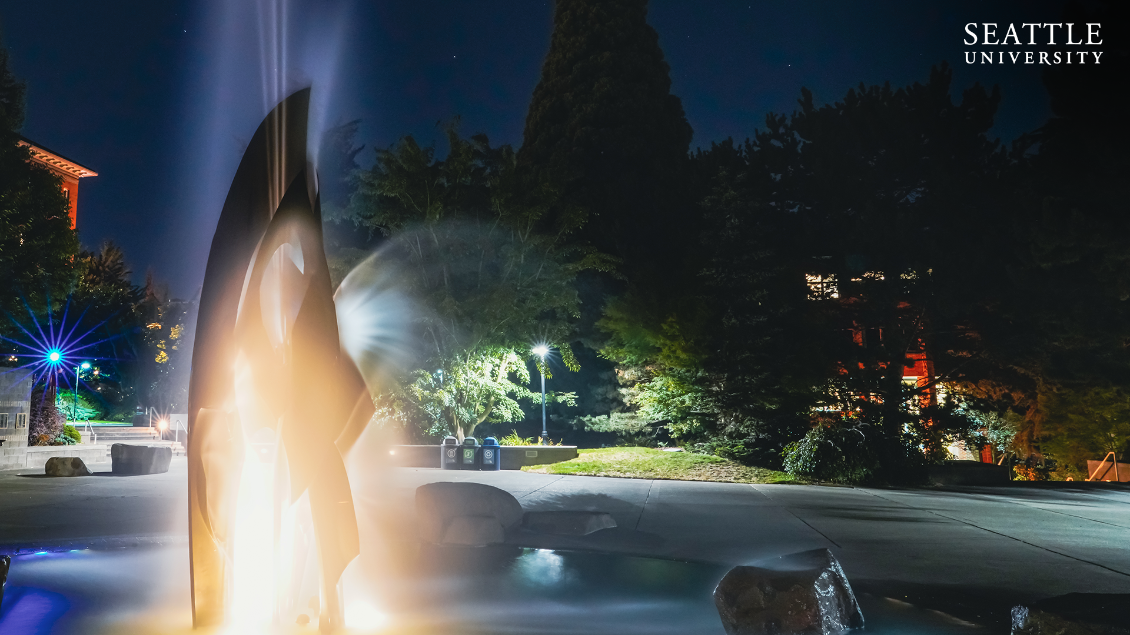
{"type": "Point", "coordinates": [918, 372]}
{"type": "Point", "coordinates": [66, 169]}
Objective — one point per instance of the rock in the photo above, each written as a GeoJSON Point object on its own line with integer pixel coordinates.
{"type": "Point", "coordinates": [1075, 614]}
{"type": "Point", "coordinates": [438, 505]}
{"type": "Point", "coordinates": [567, 523]}
{"type": "Point", "coordinates": [5, 562]}
{"type": "Point", "coordinates": [66, 466]}
{"type": "Point", "coordinates": [140, 459]}
{"type": "Point", "coordinates": [803, 593]}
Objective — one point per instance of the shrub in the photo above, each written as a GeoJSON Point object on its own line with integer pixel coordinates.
{"type": "Point", "coordinates": [46, 422]}
{"type": "Point", "coordinates": [751, 451]}
{"type": "Point", "coordinates": [87, 409]}
{"type": "Point", "coordinates": [63, 439]}
{"type": "Point", "coordinates": [630, 428]}
{"type": "Point", "coordinates": [833, 453]}
{"type": "Point", "coordinates": [72, 433]}
{"type": "Point", "coordinates": [514, 439]}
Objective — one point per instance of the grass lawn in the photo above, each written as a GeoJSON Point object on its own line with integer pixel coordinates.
{"type": "Point", "coordinates": [649, 463]}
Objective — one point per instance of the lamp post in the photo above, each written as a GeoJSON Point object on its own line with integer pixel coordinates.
{"type": "Point", "coordinates": [541, 351]}
{"type": "Point", "coordinates": [50, 374]}
{"type": "Point", "coordinates": [74, 410]}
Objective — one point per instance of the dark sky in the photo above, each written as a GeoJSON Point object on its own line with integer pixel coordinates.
{"type": "Point", "coordinates": [160, 97]}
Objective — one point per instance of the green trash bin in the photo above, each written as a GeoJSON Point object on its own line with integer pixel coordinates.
{"type": "Point", "coordinates": [469, 454]}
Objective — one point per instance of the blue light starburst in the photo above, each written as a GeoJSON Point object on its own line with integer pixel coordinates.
{"type": "Point", "coordinates": [52, 347]}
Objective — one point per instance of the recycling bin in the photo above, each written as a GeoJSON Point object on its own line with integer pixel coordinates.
{"type": "Point", "coordinates": [449, 454]}
{"type": "Point", "coordinates": [469, 454]}
{"type": "Point", "coordinates": [490, 455]}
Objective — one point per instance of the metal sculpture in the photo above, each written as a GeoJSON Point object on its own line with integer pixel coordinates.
{"type": "Point", "coordinates": [268, 372]}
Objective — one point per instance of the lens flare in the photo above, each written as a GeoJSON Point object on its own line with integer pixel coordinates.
{"type": "Point", "coordinates": [44, 346]}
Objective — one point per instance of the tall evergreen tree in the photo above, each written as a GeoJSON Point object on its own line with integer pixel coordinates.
{"type": "Point", "coordinates": [12, 95]}
{"type": "Point", "coordinates": [604, 125]}
{"type": "Point", "coordinates": [37, 243]}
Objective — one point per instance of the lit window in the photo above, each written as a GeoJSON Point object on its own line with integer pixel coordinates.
{"type": "Point", "coordinates": [821, 287]}
{"type": "Point", "coordinates": [912, 400]}
{"type": "Point", "coordinates": [21, 419]}
{"type": "Point", "coordinates": [869, 276]}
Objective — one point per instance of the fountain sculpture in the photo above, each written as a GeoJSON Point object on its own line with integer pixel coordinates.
{"type": "Point", "coordinates": [274, 403]}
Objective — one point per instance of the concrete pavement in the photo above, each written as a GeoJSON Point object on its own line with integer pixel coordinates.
{"type": "Point", "coordinates": [101, 510]}
{"type": "Point", "coordinates": [971, 552]}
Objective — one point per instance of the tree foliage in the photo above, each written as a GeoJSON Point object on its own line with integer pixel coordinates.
{"type": "Point", "coordinates": [1084, 423]}
{"type": "Point", "coordinates": [462, 235]}
{"type": "Point", "coordinates": [37, 243]}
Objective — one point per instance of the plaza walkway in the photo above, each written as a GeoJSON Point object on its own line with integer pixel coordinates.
{"type": "Point", "coordinates": [971, 551]}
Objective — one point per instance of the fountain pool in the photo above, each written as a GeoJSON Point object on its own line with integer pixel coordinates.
{"type": "Point", "coordinates": [427, 591]}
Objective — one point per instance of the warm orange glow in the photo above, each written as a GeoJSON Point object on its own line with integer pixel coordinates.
{"type": "Point", "coordinates": [162, 425]}
{"type": "Point", "coordinates": [360, 614]}
{"type": "Point", "coordinates": [254, 566]}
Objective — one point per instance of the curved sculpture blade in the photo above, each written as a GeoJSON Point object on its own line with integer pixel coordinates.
{"type": "Point", "coordinates": [268, 364]}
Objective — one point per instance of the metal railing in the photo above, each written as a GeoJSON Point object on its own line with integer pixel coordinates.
{"type": "Point", "coordinates": [176, 432]}
{"type": "Point", "coordinates": [1109, 455]}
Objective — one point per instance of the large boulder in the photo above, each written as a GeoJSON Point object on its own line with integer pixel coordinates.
{"type": "Point", "coordinates": [567, 523]}
{"type": "Point", "coordinates": [803, 593]}
{"type": "Point", "coordinates": [1075, 614]}
{"type": "Point", "coordinates": [140, 459]}
{"type": "Point", "coordinates": [66, 466]}
{"type": "Point", "coordinates": [470, 514]}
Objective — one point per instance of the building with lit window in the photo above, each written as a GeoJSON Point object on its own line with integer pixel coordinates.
{"type": "Point", "coordinates": [66, 169]}
{"type": "Point", "coordinates": [15, 409]}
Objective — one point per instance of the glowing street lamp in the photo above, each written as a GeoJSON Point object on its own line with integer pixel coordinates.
{"type": "Point", "coordinates": [541, 350]}
{"type": "Point", "coordinates": [54, 357]}
{"type": "Point", "coordinates": [74, 410]}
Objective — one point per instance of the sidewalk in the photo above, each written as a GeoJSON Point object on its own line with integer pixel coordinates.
{"type": "Point", "coordinates": [967, 551]}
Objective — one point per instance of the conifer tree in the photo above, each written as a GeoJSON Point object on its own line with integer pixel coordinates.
{"type": "Point", "coordinates": [604, 126]}
{"type": "Point", "coordinates": [37, 244]}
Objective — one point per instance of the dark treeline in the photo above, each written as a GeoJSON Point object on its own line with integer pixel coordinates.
{"type": "Point", "coordinates": [765, 300]}
{"type": "Point", "coordinates": [768, 297]}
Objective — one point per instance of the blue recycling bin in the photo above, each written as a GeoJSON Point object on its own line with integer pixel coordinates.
{"type": "Point", "coordinates": [490, 455]}
{"type": "Point", "coordinates": [449, 453]}
{"type": "Point", "coordinates": [469, 454]}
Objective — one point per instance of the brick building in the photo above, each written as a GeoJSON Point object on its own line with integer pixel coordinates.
{"type": "Point", "coordinates": [69, 171]}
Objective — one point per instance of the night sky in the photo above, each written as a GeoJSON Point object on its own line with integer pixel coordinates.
{"type": "Point", "coordinates": [160, 97]}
